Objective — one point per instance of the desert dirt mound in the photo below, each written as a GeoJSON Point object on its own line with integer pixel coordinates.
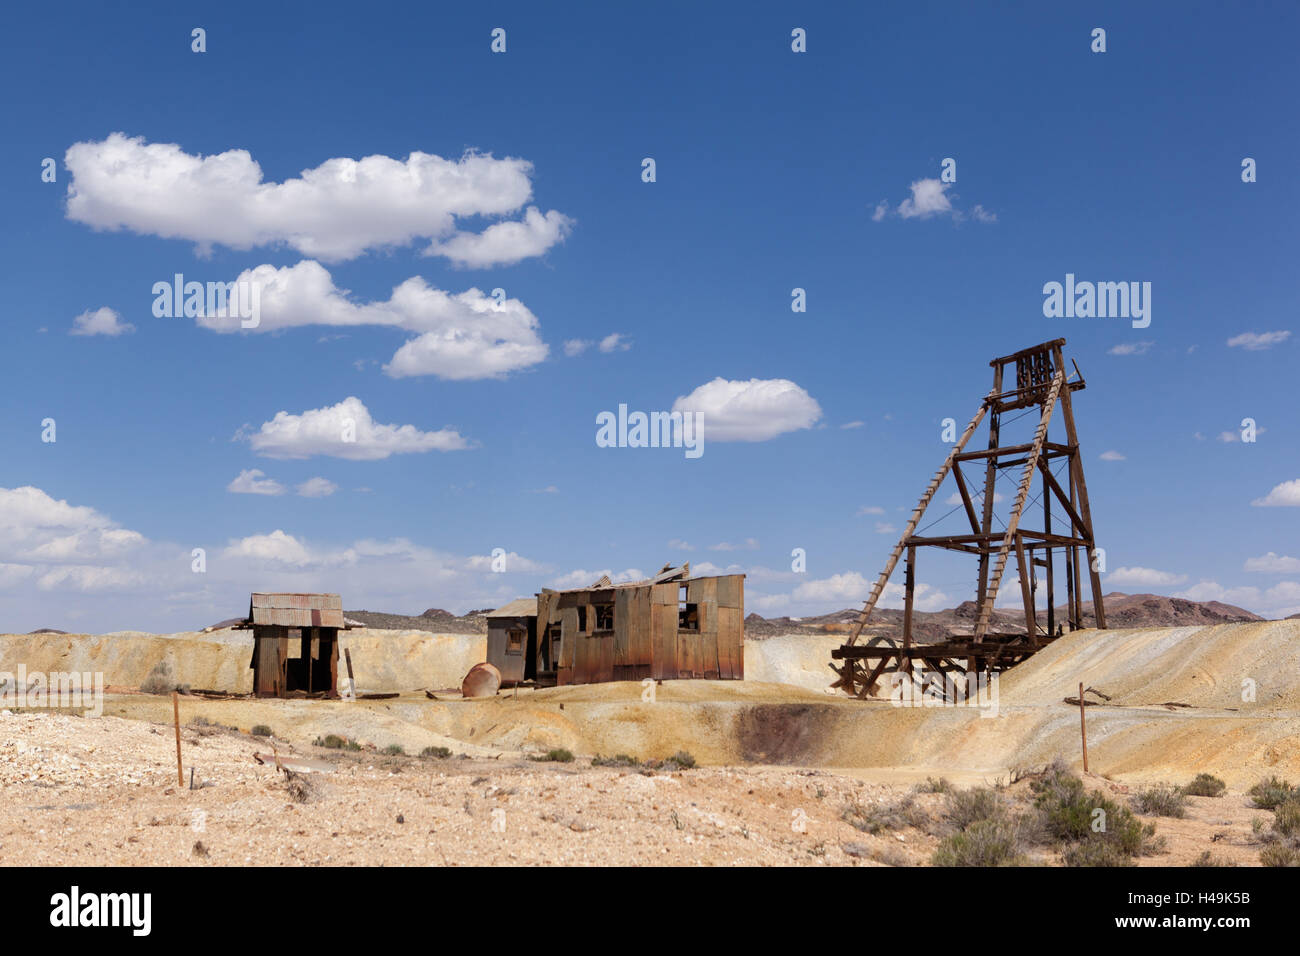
{"type": "Point", "coordinates": [96, 792]}
{"type": "Point", "coordinates": [382, 660]}
{"type": "Point", "coordinates": [1176, 704]}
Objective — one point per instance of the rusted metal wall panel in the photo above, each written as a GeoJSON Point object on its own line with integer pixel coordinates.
{"type": "Point", "coordinates": [642, 652]}
{"type": "Point", "coordinates": [663, 631]}
{"type": "Point", "coordinates": [731, 590]}
{"type": "Point", "coordinates": [510, 665]}
{"type": "Point", "coordinates": [569, 638]}
{"type": "Point", "coordinates": [731, 643]}
{"type": "Point", "coordinates": [624, 605]}
{"type": "Point", "coordinates": [296, 610]}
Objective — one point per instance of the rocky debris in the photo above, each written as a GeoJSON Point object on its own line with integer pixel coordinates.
{"type": "Point", "coordinates": [434, 620]}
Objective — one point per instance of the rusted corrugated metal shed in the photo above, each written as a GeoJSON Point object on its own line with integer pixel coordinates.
{"type": "Point", "coordinates": [512, 640]}
{"type": "Point", "coordinates": [296, 610]}
{"type": "Point", "coordinates": [315, 620]}
{"type": "Point", "coordinates": [667, 627]}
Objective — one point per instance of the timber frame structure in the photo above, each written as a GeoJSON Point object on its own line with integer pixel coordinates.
{"type": "Point", "coordinates": [1041, 381]}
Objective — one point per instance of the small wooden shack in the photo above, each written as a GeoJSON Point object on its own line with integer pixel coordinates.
{"type": "Point", "coordinates": [671, 626]}
{"type": "Point", "coordinates": [512, 640]}
{"type": "Point", "coordinates": [308, 623]}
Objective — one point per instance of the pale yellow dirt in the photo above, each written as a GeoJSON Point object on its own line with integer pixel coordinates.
{"type": "Point", "coordinates": [776, 731]}
{"type": "Point", "coordinates": [104, 792]}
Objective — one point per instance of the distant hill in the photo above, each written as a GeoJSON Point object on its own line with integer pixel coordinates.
{"type": "Point", "coordinates": [1122, 610]}
{"type": "Point", "coordinates": [434, 619]}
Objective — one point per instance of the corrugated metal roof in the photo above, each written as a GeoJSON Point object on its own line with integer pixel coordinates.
{"type": "Point", "coordinates": [666, 573]}
{"type": "Point", "coordinates": [520, 607]}
{"type": "Point", "coordinates": [296, 610]}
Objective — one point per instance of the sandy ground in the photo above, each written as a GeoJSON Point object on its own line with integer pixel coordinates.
{"type": "Point", "coordinates": [1222, 699]}
{"type": "Point", "coordinates": [91, 792]}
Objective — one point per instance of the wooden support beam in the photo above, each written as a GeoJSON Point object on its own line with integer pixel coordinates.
{"type": "Point", "coordinates": [1017, 507]}
{"type": "Point", "coordinates": [879, 587]}
{"type": "Point", "coordinates": [965, 498]}
{"type": "Point", "coordinates": [1026, 592]}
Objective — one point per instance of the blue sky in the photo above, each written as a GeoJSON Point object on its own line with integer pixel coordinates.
{"type": "Point", "coordinates": [771, 171]}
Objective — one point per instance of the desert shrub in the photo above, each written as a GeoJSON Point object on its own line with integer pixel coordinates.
{"type": "Point", "coordinates": [1205, 785]}
{"type": "Point", "coordinates": [1286, 818]}
{"type": "Point", "coordinates": [887, 816]}
{"type": "Point", "coordinates": [1064, 803]}
{"type": "Point", "coordinates": [1279, 855]}
{"type": "Point", "coordinates": [1269, 792]}
{"type": "Point", "coordinates": [558, 755]}
{"type": "Point", "coordinates": [335, 742]}
{"type": "Point", "coordinates": [932, 785]}
{"type": "Point", "coordinates": [394, 750]}
{"type": "Point", "coordinates": [159, 680]}
{"type": "Point", "coordinates": [1096, 853]}
{"type": "Point", "coordinates": [966, 807]}
{"type": "Point", "coordinates": [1209, 859]}
{"type": "Point", "coordinates": [1068, 812]}
{"type": "Point", "coordinates": [992, 841]}
{"type": "Point", "coordinates": [890, 856]}
{"type": "Point", "coordinates": [619, 760]}
{"type": "Point", "coordinates": [442, 753]}
{"type": "Point", "coordinates": [1162, 801]}
{"type": "Point", "coordinates": [260, 730]}
{"type": "Point", "coordinates": [678, 761]}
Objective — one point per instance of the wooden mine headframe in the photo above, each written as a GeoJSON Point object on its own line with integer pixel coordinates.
{"type": "Point", "coordinates": [1041, 381]}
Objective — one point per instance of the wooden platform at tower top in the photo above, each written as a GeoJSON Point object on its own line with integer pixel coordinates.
{"type": "Point", "coordinates": [1042, 381]}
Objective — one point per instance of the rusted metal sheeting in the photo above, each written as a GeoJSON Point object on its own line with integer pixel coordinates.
{"type": "Point", "coordinates": [520, 607]}
{"type": "Point", "coordinates": [645, 639]}
{"type": "Point", "coordinates": [296, 610]}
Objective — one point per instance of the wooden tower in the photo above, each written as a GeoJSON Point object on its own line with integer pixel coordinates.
{"type": "Point", "coordinates": [1041, 382]}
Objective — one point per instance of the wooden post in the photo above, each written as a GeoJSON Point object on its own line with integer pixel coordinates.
{"type": "Point", "coordinates": [176, 713]}
{"type": "Point", "coordinates": [1083, 728]}
{"type": "Point", "coordinates": [352, 681]}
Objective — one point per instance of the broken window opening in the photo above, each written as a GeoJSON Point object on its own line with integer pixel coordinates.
{"type": "Point", "coordinates": [604, 617]}
{"type": "Point", "coordinates": [515, 640]}
{"type": "Point", "coordinates": [688, 617]}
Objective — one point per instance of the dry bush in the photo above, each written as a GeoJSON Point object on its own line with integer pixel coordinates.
{"type": "Point", "coordinates": [1162, 801]}
{"type": "Point", "coordinates": [1286, 818]}
{"type": "Point", "coordinates": [1269, 792]}
{"type": "Point", "coordinates": [160, 680]}
{"type": "Point", "coordinates": [986, 842]}
{"type": "Point", "coordinates": [1205, 785]}
{"type": "Point", "coordinates": [1279, 855]}
{"type": "Point", "coordinates": [888, 816]}
{"type": "Point", "coordinates": [967, 807]}
{"type": "Point", "coordinates": [1209, 859]}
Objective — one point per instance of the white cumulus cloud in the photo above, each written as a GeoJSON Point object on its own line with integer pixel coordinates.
{"type": "Point", "coordinates": [1275, 563]}
{"type": "Point", "coordinates": [1285, 495]}
{"type": "Point", "coordinates": [316, 488]}
{"type": "Point", "coordinates": [753, 410]}
{"type": "Point", "coordinates": [1143, 577]}
{"type": "Point", "coordinates": [467, 335]}
{"type": "Point", "coordinates": [251, 481]}
{"type": "Point", "coordinates": [102, 321]}
{"type": "Point", "coordinates": [335, 211]}
{"type": "Point", "coordinates": [345, 430]}
{"type": "Point", "coordinates": [506, 242]}
{"type": "Point", "coordinates": [930, 198]}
